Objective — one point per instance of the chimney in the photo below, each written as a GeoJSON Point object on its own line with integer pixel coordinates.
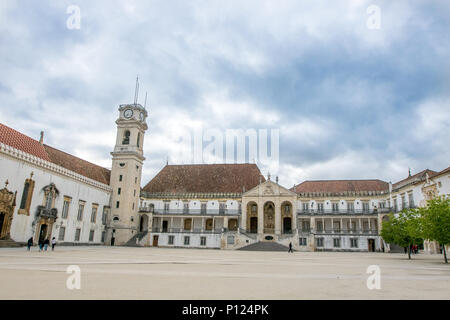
{"type": "Point", "coordinates": [276, 179]}
{"type": "Point", "coordinates": [41, 139]}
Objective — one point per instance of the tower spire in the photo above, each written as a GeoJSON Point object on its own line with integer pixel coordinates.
{"type": "Point", "coordinates": [136, 90]}
{"type": "Point", "coordinates": [145, 103]}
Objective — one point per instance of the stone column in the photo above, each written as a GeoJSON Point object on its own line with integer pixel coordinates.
{"type": "Point", "coordinates": [243, 217]}
{"type": "Point", "coordinates": [203, 224]}
{"type": "Point", "coordinates": [171, 223]}
{"type": "Point", "coordinates": [277, 218]}
{"type": "Point", "coordinates": [260, 218]}
{"type": "Point", "coordinates": [294, 219]}
{"type": "Point", "coordinates": [225, 222]}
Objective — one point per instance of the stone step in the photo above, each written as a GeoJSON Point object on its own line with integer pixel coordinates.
{"type": "Point", "coordinates": [265, 246]}
{"type": "Point", "coordinates": [9, 244]}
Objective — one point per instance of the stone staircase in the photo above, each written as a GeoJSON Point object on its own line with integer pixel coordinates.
{"type": "Point", "coordinates": [265, 246]}
{"type": "Point", "coordinates": [134, 241]}
{"type": "Point", "coordinates": [9, 244]}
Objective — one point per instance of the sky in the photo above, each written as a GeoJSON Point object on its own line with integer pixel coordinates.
{"type": "Point", "coordinates": [354, 93]}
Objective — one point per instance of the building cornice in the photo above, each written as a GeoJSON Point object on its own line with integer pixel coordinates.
{"type": "Point", "coordinates": [187, 195]}
{"type": "Point", "coordinates": [50, 166]}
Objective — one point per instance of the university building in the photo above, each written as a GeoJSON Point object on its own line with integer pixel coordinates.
{"type": "Point", "coordinates": [49, 193]}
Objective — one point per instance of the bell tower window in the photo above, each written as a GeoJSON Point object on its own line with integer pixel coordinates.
{"type": "Point", "coordinates": [126, 137]}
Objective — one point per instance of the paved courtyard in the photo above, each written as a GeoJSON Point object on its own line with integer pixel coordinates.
{"type": "Point", "coordinates": [157, 273]}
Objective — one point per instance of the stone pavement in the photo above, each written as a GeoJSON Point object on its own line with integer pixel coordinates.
{"type": "Point", "coordinates": [160, 273]}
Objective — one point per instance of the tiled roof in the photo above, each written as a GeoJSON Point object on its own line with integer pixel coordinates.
{"type": "Point", "coordinates": [22, 142]}
{"type": "Point", "coordinates": [338, 186]}
{"type": "Point", "coordinates": [205, 178]}
{"type": "Point", "coordinates": [421, 176]}
{"type": "Point", "coordinates": [78, 165]}
{"type": "Point", "coordinates": [447, 170]}
{"type": "Point", "coordinates": [26, 144]}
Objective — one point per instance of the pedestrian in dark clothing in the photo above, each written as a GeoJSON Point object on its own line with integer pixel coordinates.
{"type": "Point", "coordinates": [290, 247]}
{"type": "Point", "coordinates": [53, 243]}
{"type": "Point", "coordinates": [29, 243]}
{"type": "Point", "coordinates": [41, 245]}
{"type": "Point", "coordinates": [46, 243]}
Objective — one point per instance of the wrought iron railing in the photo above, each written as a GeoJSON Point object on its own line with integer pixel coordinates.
{"type": "Point", "coordinates": [185, 211]}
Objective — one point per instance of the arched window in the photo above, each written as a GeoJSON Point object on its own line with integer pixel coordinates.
{"type": "Point", "coordinates": [138, 138]}
{"type": "Point", "coordinates": [126, 137]}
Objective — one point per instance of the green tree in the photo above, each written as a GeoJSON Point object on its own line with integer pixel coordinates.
{"type": "Point", "coordinates": [403, 229]}
{"type": "Point", "coordinates": [436, 221]}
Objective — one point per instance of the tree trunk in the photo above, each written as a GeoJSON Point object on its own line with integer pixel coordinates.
{"type": "Point", "coordinates": [409, 252]}
{"type": "Point", "coordinates": [445, 254]}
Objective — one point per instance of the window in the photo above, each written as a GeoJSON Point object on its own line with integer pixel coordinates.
{"type": "Point", "coordinates": [335, 206]}
{"type": "Point", "coordinates": [103, 236]}
{"type": "Point", "coordinates": [403, 201]}
{"type": "Point", "coordinates": [254, 208]}
{"type": "Point", "coordinates": [91, 235]}
{"type": "Point", "coordinates": [119, 190]}
{"type": "Point", "coordinates": [351, 206]}
{"type": "Point", "coordinates": [319, 207]}
{"type": "Point", "coordinates": [94, 213]}
{"type": "Point", "coordinates": [365, 206]}
{"type": "Point", "coordinates": [117, 204]}
{"type": "Point", "coordinates": [221, 207]}
{"type": "Point", "coordinates": [305, 207]}
{"type": "Point", "coordinates": [126, 137]}
{"type": "Point", "coordinates": [411, 200]}
{"type": "Point", "coordinates": [187, 224]}
{"type": "Point", "coordinates": [305, 226]}
{"type": "Point", "coordinates": [77, 234]}
{"type": "Point", "coordinates": [185, 207]}
{"type": "Point", "coordinates": [337, 226]}
{"type": "Point", "coordinates": [166, 207]}
{"type": "Point", "coordinates": [134, 193]}
{"type": "Point", "coordinates": [62, 233]}
{"type": "Point", "coordinates": [49, 200]}
{"type": "Point", "coordinates": [337, 243]}
{"type": "Point", "coordinates": [203, 241]}
{"type": "Point", "coordinates": [27, 194]}
{"type": "Point", "coordinates": [171, 238]}
{"type": "Point", "coordinates": [135, 179]}
{"type": "Point", "coordinates": [302, 241]}
{"type": "Point", "coordinates": [138, 138]}
{"type": "Point", "coordinates": [319, 226]}
{"type": "Point", "coordinates": [366, 226]}
{"type": "Point", "coordinates": [120, 178]}
{"type": "Point", "coordinates": [65, 209]}
{"type": "Point", "coordinates": [80, 211]}
{"type": "Point", "coordinates": [203, 208]}
{"type": "Point", "coordinates": [354, 243]}
{"type": "Point", "coordinates": [230, 240]}
{"type": "Point", "coordinates": [105, 214]}
{"type": "Point", "coordinates": [209, 224]}
{"type": "Point", "coordinates": [319, 242]}
{"type": "Point", "coordinates": [186, 241]}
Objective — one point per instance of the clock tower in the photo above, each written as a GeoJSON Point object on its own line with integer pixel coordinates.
{"type": "Point", "coordinates": [126, 171]}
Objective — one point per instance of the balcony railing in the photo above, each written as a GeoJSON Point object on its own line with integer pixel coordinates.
{"type": "Point", "coordinates": [47, 213]}
{"type": "Point", "coordinates": [347, 231]}
{"type": "Point", "coordinates": [181, 230]}
{"type": "Point", "coordinates": [311, 212]}
{"type": "Point", "coordinates": [185, 211]}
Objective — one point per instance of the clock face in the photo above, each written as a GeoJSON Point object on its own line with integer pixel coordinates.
{"type": "Point", "coordinates": [128, 113]}
{"type": "Point", "coordinates": [141, 116]}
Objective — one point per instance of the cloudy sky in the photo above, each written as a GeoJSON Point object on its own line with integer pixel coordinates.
{"type": "Point", "coordinates": [350, 102]}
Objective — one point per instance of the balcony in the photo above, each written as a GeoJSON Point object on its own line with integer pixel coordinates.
{"type": "Point", "coordinates": [181, 230]}
{"type": "Point", "coordinates": [311, 212]}
{"type": "Point", "coordinates": [185, 211]}
{"type": "Point", "coordinates": [47, 213]}
{"type": "Point", "coordinates": [347, 232]}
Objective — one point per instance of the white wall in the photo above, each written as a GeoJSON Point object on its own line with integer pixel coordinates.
{"type": "Point", "coordinates": [17, 171]}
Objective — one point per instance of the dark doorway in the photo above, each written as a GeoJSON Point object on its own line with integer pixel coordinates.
{"type": "Point", "coordinates": [165, 226]}
{"type": "Point", "coordinates": [141, 224]}
{"type": "Point", "coordinates": [2, 219]}
{"type": "Point", "coordinates": [253, 225]}
{"type": "Point", "coordinates": [371, 245]}
{"type": "Point", "coordinates": [43, 233]}
{"type": "Point", "coordinates": [287, 227]}
{"type": "Point", "coordinates": [155, 241]}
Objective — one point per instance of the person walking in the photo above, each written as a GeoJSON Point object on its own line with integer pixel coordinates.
{"type": "Point", "coordinates": [29, 243]}
{"type": "Point", "coordinates": [46, 243]}
{"type": "Point", "coordinates": [290, 248]}
{"type": "Point", "coordinates": [41, 245]}
{"type": "Point", "coordinates": [53, 243]}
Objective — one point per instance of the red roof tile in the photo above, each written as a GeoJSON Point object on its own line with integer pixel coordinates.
{"type": "Point", "coordinates": [22, 142]}
{"type": "Point", "coordinates": [78, 165]}
{"type": "Point", "coordinates": [337, 186]}
{"type": "Point", "coordinates": [205, 178]}
{"type": "Point", "coordinates": [421, 176]}
{"type": "Point", "coordinates": [26, 144]}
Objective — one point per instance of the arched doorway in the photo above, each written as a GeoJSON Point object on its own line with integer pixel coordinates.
{"type": "Point", "coordinates": [252, 217]}
{"type": "Point", "coordinates": [143, 223]}
{"type": "Point", "coordinates": [286, 217]}
{"type": "Point", "coordinates": [232, 224]}
{"type": "Point", "coordinates": [269, 217]}
{"type": "Point", "coordinates": [7, 205]}
{"type": "Point", "coordinates": [2, 220]}
{"type": "Point", "coordinates": [287, 225]}
{"type": "Point", "coordinates": [43, 233]}
{"type": "Point", "coordinates": [253, 224]}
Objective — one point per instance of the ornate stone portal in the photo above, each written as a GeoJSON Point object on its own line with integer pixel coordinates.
{"type": "Point", "coordinates": [7, 205]}
{"type": "Point", "coordinates": [269, 217]}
